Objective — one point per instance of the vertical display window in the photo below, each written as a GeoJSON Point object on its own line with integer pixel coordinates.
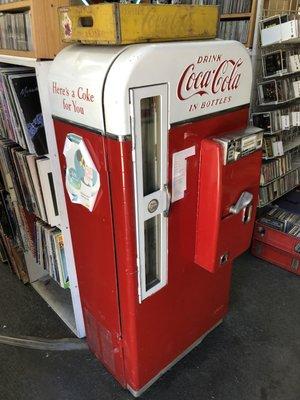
{"type": "Point", "coordinates": [150, 133]}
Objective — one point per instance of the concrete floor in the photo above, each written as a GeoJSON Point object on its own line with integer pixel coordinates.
{"type": "Point", "coordinates": [253, 355]}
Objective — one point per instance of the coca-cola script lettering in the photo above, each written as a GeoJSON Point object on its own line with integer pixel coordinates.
{"type": "Point", "coordinates": [223, 78]}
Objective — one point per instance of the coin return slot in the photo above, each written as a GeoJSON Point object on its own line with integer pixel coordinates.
{"type": "Point", "coordinates": [247, 214]}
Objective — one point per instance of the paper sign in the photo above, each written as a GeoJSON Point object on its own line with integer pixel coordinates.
{"type": "Point", "coordinates": [82, 177]}
{"type": "Point", "coordinates": [179, 172]}
{"type": "Point", "coordinates": [285, 122]}
{"type": "Point", "coordinates": [277, 148]}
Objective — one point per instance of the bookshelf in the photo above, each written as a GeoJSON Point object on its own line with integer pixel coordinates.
{"type": "Point", "coordinates": [249, 17]}
{"type": "Point", "coordinates": [281, 176]}
{"type": "Point", "coordinates": [65, 302]}
{"type": "Point", "coordinates": [44, 26]}
{"type": "Point", "coordinates": [276, 100]}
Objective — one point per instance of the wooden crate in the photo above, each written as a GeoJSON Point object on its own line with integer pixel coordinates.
{"type": "Point", "coordinates": [114, 23]}
{"type": "Point", "coordinates": [44, 26]}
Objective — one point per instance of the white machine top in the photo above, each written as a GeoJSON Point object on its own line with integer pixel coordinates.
{"type": "Point", "coordinates": [89, 85]}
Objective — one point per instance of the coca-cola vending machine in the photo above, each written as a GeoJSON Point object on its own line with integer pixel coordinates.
{"type": "Point", "coordinates": [161, 183]}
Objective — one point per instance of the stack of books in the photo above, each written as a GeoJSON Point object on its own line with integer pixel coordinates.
{"type": "Point", "coordinates": [278, 188]}
{"type": "Point", "coordinates": [21, 118]}
{"type": "Point", "coordinates": [31, 217]}
{"type": "Point", "coordinates": [272, 147]}
{"type": "Point", "coordinates": [15, 31]}
{"type": "Point", "coordinates": [28, 178]}
{"type": "Point", "coordinates": [229, 6]}
{"type": "Point", "coordinates": [275, 168]}
{"type": "Point", "coordinates": [234, 30]}
{"type": "Point", "coordinates": [50, 253]}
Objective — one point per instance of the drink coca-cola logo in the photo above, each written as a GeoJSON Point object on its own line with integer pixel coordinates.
{"type": "Point", "coordinates": [198, 80]}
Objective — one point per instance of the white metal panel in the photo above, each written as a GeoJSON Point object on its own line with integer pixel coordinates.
{"type": "Point", "coordinates": [204, 77]}
{"type": "Point", "coordinates": [42, 72]}
{"type": "Point", "coordinates": [76, 80]}
{"type": "Point", "coordinates": [271, 35]}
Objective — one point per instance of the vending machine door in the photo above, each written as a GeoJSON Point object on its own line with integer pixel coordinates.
{"type": "Point", "coordinates": [152, 200]}
{"type": "Point", "coordinates": [227, 197]}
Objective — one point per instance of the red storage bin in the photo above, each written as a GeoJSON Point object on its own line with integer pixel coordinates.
{"type": "Point", "coordinates": [276, 247]}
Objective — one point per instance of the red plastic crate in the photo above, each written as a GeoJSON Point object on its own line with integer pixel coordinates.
{"type": "Point", "coordinates": [276, 247]}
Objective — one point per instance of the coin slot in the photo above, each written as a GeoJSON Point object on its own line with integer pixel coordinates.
{"type": "Point", "coordinates": [153, 206]}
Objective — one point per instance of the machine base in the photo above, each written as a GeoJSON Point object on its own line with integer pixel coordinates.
{"type": "Point", "coordinates": [137, 393]}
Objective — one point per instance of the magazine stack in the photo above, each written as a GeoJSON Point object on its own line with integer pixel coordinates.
{"type": "Point", "coordinates": [31, 217]}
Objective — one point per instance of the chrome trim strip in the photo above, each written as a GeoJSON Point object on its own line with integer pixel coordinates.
{"type": "Point", "coordinates": [212, 115]}
{"type": "Point", "coordinates": [120, 138]}
{"type": "Point", "coordinates": [68, 121]}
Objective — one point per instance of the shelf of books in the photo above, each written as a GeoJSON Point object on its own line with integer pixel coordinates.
{"type": "Point", "coordinates": [276, 106]}
{"type": "Point", "coordinates": [279, 177]}
{"type": "Point", "coordinates": [34, 229]}
{"type": "Point", "coordinates": [237, 19]}
{"type": "Point", "coordinates": [29, 28]}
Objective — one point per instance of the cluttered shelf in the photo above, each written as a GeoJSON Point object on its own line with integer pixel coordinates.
{"type": "Point", "coordinates": [277, 188]}
{"type": "Point", "coordinates": [26, 172]}
{"type": "Point", "coordinates": [261, 204]}
{"type": "Point", "coordinates": [279, 177]}
{"type": "Point", "coordinates": [24, 32]}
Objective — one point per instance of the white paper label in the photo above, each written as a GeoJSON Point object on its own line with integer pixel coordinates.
{"type": "Point", "coordinates": [278, 148]}
{"type": "Point", "coordinates": [285, 121]}
{"type": "Point", "coordinates": [179, 172]}
{"type": "Point", "coordinates": [296, 85]}
{"type": "Point", "coordinates": [294, 63]}
{"type": "Point", "coordinates": [296, 118]}
{"type": "Point", "coordinates": [82, 177]}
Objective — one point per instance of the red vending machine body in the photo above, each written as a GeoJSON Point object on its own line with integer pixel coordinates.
{"type": "Point", "coordinates": [140, 178]}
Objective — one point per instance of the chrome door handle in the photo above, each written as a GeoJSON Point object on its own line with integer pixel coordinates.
{"type": "Point", "coordinates": [168, 194]}
{"type": "Point", "coordinates": [244, 201]}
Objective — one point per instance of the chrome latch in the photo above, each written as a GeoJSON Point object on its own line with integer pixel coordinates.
{"type": "Point", "coordinates": [168, 201]}
{"type": "Point", "coordinates": [244, 201]}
